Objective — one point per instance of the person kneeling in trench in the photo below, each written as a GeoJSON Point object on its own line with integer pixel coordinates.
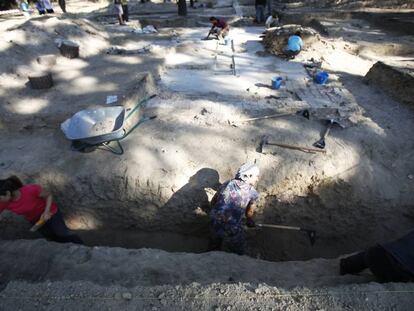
{"type": "Point", "coordinates": [37, 206]}
{"type": "Point", "coordinates": [390, 262]}
{"type": "Point", "coordinates": [233, 199]}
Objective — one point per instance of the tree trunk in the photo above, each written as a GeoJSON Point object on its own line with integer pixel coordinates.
{"type": "Point", "coordinates": [182, 7]}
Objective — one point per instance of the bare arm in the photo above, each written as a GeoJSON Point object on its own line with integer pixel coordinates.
{"type": "Point", "coordinates": [214, 199]}
{"type": "Point", "coordinates": [49, 199]}
{"type": "Point", "coordinates": [250, 210]}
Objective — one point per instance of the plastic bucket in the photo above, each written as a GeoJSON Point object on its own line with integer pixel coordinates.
{"type": "Point", "coordinates": [276, 83]}
{"type": "Point", "coordinates": [321, 77]}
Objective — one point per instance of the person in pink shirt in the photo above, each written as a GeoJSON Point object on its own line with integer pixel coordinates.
{"type": "Point", "coordinates": [37, 206]}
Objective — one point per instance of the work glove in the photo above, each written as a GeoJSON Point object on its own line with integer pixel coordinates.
{"type": "Point", "coordinates": [250, 223]}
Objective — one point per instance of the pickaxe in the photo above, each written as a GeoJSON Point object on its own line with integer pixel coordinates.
{"type": "Point", "coordinates": [311, 233]}
{"type": "Point", "coordinates": [265, 141]}
{"type": "Point", "coordinates": [303, 113]}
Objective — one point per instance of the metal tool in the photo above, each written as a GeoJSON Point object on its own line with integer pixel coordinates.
{"type": "Point", "coordinates": [265, 141]}
{"type": "Point", "coordinates": [304, 113]}
{"type": "Point", "coordinates": [311, 233]}
{"type": "Point", "coordinates": [321, 142]}
{"type": "Point", "coordinates": [80, 128]}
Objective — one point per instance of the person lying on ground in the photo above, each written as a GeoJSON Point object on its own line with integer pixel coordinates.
{"type": "Point", "coordinates": [219, 28]}
{"type": "Point", "coordinates": [389, 262]}
{"type": "Point", "coordinates": [234, 199]}
{"type": "Point", "coordinates": [294, 45]}
{"type": "Point", "coordinates": [44, 6]}
{"type": "Point", "coordinates": [119, 11]}
{"type": "Point", "coordinates": [37, 206]}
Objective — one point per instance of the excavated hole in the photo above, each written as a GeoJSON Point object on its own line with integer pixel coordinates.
{"type": "Point", "coordinates": [338, 230]}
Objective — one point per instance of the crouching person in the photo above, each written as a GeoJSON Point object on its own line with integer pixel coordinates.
{"type": "Point", "coordinates": [37, 206]}
{"type": "Point", "coordinates": [219, 27]}
{"type": "Point", "coordinates": [294, 46]}
{"type": "Point", "coordinates": [389, 262]}
{"type": "Point", "coordinates": [234, 199]}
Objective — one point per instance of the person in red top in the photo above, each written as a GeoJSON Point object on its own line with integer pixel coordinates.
{"type": "Point", "coordinates": [37, 206]}
{"type": "Point", "coordinates": [219, 27]}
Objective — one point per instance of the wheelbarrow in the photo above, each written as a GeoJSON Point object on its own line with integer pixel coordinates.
{"type": "Point", "coordinates": [92, 129]}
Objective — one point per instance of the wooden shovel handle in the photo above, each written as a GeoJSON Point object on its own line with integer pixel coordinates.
{"type": "Point", "coordinates": [268, 117]}
{"type": "Point", "coordinates": [306, 149]}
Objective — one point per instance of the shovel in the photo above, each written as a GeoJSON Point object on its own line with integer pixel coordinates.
{"type": "Point", "coordinates": [331, 122]}
{"type": "Point", "coordinates": [311, 233]}
{"type": "Point", "coordinates": [321, 142]}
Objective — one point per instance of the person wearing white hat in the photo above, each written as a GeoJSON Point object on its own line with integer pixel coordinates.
{"type": "Point", "coordinates": [234, 199]}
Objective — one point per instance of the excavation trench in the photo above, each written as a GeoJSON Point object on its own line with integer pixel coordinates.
{"type": "Point", "coordinates": [178, 227]}
{"type": "Point", "coordinates": [107, 211]}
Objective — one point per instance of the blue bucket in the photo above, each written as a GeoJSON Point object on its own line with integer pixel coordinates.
{"type": "Point", "coordinates": [276, 83]}
{"type": "Point", "coordinates": [321, 77]}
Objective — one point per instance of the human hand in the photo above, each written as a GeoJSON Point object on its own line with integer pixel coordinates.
{"type": "Point", "coordinates": [250, 223]}
{"type": "Point", "coordinates": [46, 216]}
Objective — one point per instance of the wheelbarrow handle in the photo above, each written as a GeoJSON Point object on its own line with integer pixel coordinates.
{"type": "Point", "coordinates": [139, 105]}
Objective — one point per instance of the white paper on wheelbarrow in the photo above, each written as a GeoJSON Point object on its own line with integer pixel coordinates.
{"type": "Point", "coordinates": [111, 99]}
{"type": "Point", "coordinates": [91, 123]}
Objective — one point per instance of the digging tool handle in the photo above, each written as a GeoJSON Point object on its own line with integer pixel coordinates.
{"type": "Point", "coordinates": [311, 233]}
{"type": "Point", "coordinates": [328, 129]}
{"type": "Point", "coordinates": [297, 147]}
{"type": "Point", "coordinates": [268, 117]}
{"type": "Point", "coordinates": [279, 227]}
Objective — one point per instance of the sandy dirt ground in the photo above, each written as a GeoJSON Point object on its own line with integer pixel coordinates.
{"type": "Point", "coordinates": [79, 277]}
{"type": "Point", "coordinates": [156, 194]}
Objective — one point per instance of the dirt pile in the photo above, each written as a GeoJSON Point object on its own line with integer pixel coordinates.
{"type": "Point", "coordinates": [39, 36]}
{"type": "Point", "coordinates": [151, 267]}
{"type": "Point", "coordinates": [275, 39]}
{"type": "Point", "coordinates": [78, 277]}
{"type": "Point", "coordinates": [397, 81]}
{"type": "Point", "coordinates": [19, 295]}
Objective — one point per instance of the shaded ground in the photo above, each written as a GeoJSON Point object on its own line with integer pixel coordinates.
{"type": "Point", "coordinates": [156, 194]}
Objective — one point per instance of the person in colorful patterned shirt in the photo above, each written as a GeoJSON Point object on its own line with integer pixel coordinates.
{"type": "Point", "coordinates": [234, 199]}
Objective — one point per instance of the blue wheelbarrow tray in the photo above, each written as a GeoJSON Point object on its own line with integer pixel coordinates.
{"type": "Point", "coordinates": [96, 126]}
